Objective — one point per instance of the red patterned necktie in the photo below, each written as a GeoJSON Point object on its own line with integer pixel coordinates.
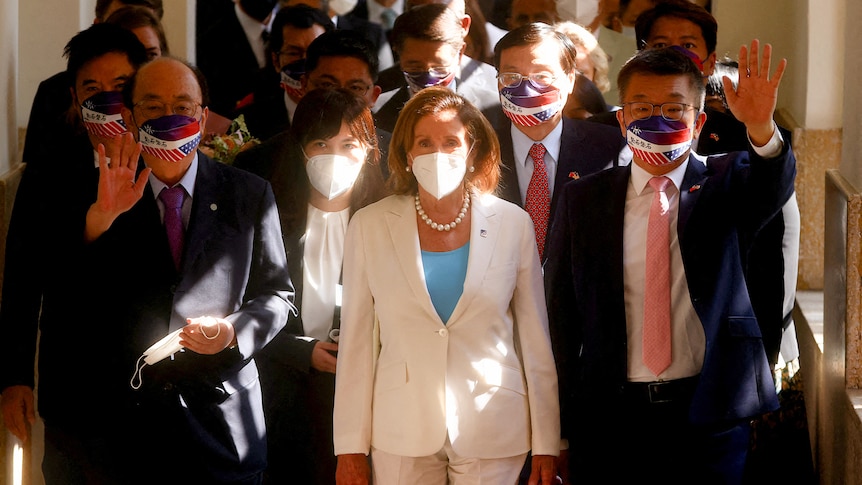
{"type": "Point", "coordinates": [656, 331]}
{"type": "Point", "coordinates": [538, 203]}
{"type": "Point", "coordinates": [173, 200]}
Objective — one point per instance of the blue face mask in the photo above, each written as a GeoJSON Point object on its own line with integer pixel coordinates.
{"type": "Point", "coordinates": [421, 80]}
{"type": "Point", "coordinates": [290, 79]}
{"type": "Point", "coordinates": [527, 105]}
{"type": "Point", "coordinates": [658, 141]}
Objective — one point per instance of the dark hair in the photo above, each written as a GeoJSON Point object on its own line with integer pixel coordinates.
{"type": "Point", "coordinates": [536, 33]}
{"type": "Point", "coordinates": [129, 88]}
{"type": "Point", "coordinates": [432, 23]}
{"type": "Point", "coordinates": [662, 62]}
{"type": "Point", "coordinates": [682, 9]}
{"type": "Point", "coordinates": [298, 16]}
{"type": "Point", "coordinates": [343, 43]}
{"type": "Point", "coordinates": [589, 96]}
{"type": "Point", "coordinates": [98, 40]}
{"type": "Point", "coordinates": [154, 5]}
{"type": "Point", "coordinates": [486, 148]}
{"type": "Point", "coordinates": [135, 17]}
{"type": "Point", "coordinates": [723, 67]}
{"type": "Point", "coordinates": [319, 115]}
{"type": "Point", "coordinates": [478, 33]}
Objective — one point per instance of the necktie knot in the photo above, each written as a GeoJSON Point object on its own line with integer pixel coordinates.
{"type": "Point", "coordinates": [537, 153]}
{"type": "Point", "coordinates": [659, 184]}
{"type": "Point", "coordinates": [172, 197]}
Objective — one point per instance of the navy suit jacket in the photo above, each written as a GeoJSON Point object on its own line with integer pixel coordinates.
{"type": "Point", "coordinates": [234, 267]}
{"type": "Point", "coordinates": [720, 204]}
{"type": "Point", "coordinates": [586, 148]}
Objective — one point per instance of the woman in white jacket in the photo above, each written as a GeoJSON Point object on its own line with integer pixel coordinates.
{"type": "Point", "coordinates": [445, 370]}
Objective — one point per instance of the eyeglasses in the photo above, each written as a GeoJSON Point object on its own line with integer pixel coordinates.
{"type": "Point", "coordinates": [438, 71]}
{"type": "Point", "coordinates": [357, 88]}
{"type": "Point", "coordinates": [669, 111]}
{"type": "Point", "coordinates": [514, 79]}
{"type": "Point", "coordinates": [152, 108]}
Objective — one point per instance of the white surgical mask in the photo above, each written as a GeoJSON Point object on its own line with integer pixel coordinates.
{"type": "Point", "coordinates": [439, 173]}
{"type": "Point", "coordinates": [332, 175]}
{"type": "Point", "coordinates": [342, 7]}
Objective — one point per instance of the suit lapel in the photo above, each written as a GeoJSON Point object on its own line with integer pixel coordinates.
{"type": "Point", "coordinates": [484, 233]}
{"type": "Point", "coordinates": [695, 176]}
{"type": "Point", "coordinates": [208, 212]}
{"type": "Point", "coordinates": [509, 188]}
{"type": "Point", "coordinates": [401, 222]}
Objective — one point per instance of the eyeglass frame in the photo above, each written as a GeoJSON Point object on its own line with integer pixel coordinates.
{"type": "Point", "coordinates": [332, 85]}
{"type": "Point", "coordinates": [530, 77]}
{"type": "Point", "coordinates": [165, 106]}
{"type": "Point", "coordinates": [661, 108]}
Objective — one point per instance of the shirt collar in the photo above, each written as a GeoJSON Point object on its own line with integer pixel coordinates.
{"type": "Point", "coordinates": [522, 143]}
{"type": "Point", "coordinates": [640, 177]}
{"type": "Point", "coordinates": [188, 180]}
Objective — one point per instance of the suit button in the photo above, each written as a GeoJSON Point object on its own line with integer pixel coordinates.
{"type": "Point", "coordinates": [443, 332]}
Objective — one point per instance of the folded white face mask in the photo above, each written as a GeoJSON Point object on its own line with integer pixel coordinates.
{"type": "Point", "coordinates": [332, 175]}
{"type": "Point", "coordinates": [439, 173]}
{"type": "Point", "coordinates": [164, 348]}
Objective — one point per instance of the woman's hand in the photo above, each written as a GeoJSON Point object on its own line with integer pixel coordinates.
{"type": "Point", "coordinates": [543, 470]}
{"type": "Point", "coordinates": [352, 469]}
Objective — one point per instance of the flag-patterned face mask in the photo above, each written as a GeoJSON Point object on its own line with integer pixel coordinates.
{"type": "Point", "coordinates": [658, 141]}
{"type": "Point", "coordinates": [527, 105]}
{"type": "Point", "coordinates": [170, 137]}
{"type": "Point", "coordinates": [101, 114]}
{"type": "Point", "coordinates": [290, 79]}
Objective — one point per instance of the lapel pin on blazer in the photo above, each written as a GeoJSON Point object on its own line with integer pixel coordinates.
{"type": "Point", "coordinates": [213, 207]}
{"type": "Point", "coordinates": [693, 188]}
{"type": "Point", "coordinates": [574, 175]}
{"type": "Point", "coordinates": [483, 233]}
{"type": "Point", "coordinates": [714, 136]}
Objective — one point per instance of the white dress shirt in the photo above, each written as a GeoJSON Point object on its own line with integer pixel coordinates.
{"type": "Point", "coordinates": [254, 33]}
{"type": "Point", "coordinates": [521, 145]}
{"type": "Point", "coordinates": [322, 256]}
{"type": "Point", "coordinates": [188, 183]}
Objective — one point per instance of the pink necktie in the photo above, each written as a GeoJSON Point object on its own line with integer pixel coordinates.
{"type": "Point", "coordinates": [173, 200]}
{"type": "Point", "coordinates": [538, 203]}
{"type": "Point", "coordinates": [656, 336]}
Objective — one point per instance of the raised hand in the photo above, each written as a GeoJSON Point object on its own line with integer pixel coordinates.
{"type": "Point", "coordinates": [754, 99]}
{"type": "Point", "coordinates": [118, 189]}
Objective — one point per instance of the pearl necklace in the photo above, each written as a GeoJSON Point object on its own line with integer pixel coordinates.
{"type": "Point", "coordinates": [443, 227]}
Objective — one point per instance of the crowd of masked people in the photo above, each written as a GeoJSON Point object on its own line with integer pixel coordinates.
{"type": "Point", "coordinates": [468, 245]}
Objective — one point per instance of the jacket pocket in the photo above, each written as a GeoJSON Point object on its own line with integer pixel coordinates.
{"type": "Point", "coordinates": [743, 327]}
{"type": "Point", "coordinates": [391, 376]}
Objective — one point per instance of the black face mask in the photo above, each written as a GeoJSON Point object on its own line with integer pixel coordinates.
{"type": "Point", "coordinates": [257, 9]}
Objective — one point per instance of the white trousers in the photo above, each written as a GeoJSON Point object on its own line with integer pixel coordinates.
{"type": "Point", "coordinates": [444, 468]}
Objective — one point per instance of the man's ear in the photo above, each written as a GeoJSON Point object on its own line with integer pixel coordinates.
{"type": "Point", "coordinates": [698, 124]}
{"type": "Point", "coordinates": [621, 120]}
{"type": "Point", "coordinates": [466, 21]}
{"type": "Point", "coordinates": [275, 62]}
{"type": "Point", "coordinates": [709, 65]}
{"type": "Point", "coordinates": [375, 93]}
{"type": "Point", "coordinates": [129, 120]}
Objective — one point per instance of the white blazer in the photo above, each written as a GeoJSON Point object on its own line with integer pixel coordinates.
{"type": "Point", "coordinates": [487, 378]}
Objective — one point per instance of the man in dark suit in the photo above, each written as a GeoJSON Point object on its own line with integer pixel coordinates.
{"type": "Point", "coordinates": [231, 50]}
{"type": "Point", "coordinates": [278, 86]}
{"type": "Point", "coordinates": [53, 97]}
{"type": "Point", "coordinates": [429, 40]}
{"type": "Point", "coordinates": [536, 67]}
{"type": "Point", "coordinates": [660, 356]}
{"type": "Point", "coordinates": [42, 277]}
{"type": "Point", "coordinates": [208, 261]}
{"type": "Point", "coordinates": [771, 263]}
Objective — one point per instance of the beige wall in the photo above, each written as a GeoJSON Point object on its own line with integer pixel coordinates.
{"type": "Point", "coordinates": [42, 38]}
{"type": "Point", "coordinates": [8, 83]}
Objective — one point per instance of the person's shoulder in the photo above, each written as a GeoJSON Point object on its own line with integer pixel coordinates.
{"type": "Point", "coordinates": [375, 210]}
{"type": "Point", "coordinates": [260, 158]}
